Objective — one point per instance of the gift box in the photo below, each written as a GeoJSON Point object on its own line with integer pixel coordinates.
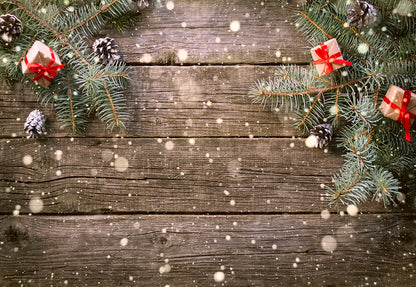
{"type": "Point", "coordinates": [400, 105]}
{"type": "Point", "coordinates": [327, 57]}
{"type": "Point", "coordinates": [41, 64]}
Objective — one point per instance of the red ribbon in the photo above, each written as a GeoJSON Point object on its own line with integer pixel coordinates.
{"type": "Point", "coordinates": [48, 73]}
{"type": "Point", "coordinates": [405, 115]}
{"type": "Point", "coordinates": [325, 58]}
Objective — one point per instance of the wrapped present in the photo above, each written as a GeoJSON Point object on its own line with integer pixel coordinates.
{"type": "Point", "coordinates": [327, 57]}
{"type": "Point", "coordinates": [41, 64]}
{"type": "Point", "coordinates": [400, 105]}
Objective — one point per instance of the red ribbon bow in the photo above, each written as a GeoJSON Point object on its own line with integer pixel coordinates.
{"type": "Point", "coordinates": [325, 58]}
{"type": "Point", "coordinates": [405, 115]}
{"type": "Point", "coordinates": [48, 73]}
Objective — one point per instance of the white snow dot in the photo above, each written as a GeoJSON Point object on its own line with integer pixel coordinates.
{"type": "Point", "coordinates": [183, 24]}
{"type": "Point", "coordinates": [325, 214]}
{"type": "Point", "coordinates": [219, 276]}
{"type": "Point", "coordinates": [362, 48]}
{"type": "Point", "coordinates": [329, 243]}
{"type": "Point", "coordinates": [274, 246]}
{"type": "Point", "coordinates": [121, 164]}
{"type": "Point", "coordinates": [27, 160]}
{"type": "Point", "coordinates": [217, 40]}
{"type": "Point", "coordinates": [253, 241]}
{"type": "Point", "coordinates": [292, 145]}
{"type": "Point", "coordinates": [106, 155]}
{"type": "Point", "coordinates": [58, 154]}
{"type": "Point", "coordinates": [165, 269]}
{"type": "Point", "coordinates": [182, 55]}
{"type": "Point", "coordinates": [169, 145]}
{"type": "Point", "coordinates": [228, 237]}
{"type": "Point", "coordinates": [401, 197]}
{"type": "Point", "coordinates": [295, 265]}
{"type": "Point", "coordinates": [35, 205]}
{"type": "Point", "coordinates": [333, 110]}
{"type": "Point", "coordinates": [226, 192]}
{"type": "Point", "coordinates": [235, 26]}
{"type": "Point", "coordinates": [219, 121]}
{"type": "Point", "coordinates": [124, 241]}
{"type": "Point", "coordinates": [58, 173]}
{"type": "Point", "coordinates": [232, 202]}
{"type": "Point", "coordinates": [352, 210]}
{"type": "Point", "coordinates": [191, 141]}
{"type": "Point", "coordinates": [170, 5]}
{"type": "Point", "coordinates": [146, 58]}
{"type": "Point", "coordinates": [278, 54]}
{"type": "Point", "coordinates": [311, 141]}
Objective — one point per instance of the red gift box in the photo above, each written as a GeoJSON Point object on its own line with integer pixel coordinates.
{"type": "Point", "coordinates": [400, 105]}
{"type": "Point", "coordinates": [41, 64]}
{"type": "Point", "coordinates": [327, 57]}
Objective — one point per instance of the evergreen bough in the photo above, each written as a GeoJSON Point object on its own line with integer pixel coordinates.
{"type": "Point", "coordinates": [85, 85]}
{"type": "Point", "coordinates": [378, 159]}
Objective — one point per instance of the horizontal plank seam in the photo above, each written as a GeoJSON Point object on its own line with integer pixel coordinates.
{"type": "Point", "coordinates": [187, 213]}
{"type": "Point", "coordinates": [14, 181]}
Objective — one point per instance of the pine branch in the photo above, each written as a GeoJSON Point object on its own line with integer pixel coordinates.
{"type": "Point", "coordinates": [84, 84]}
{"type": "Point", "coordinates": [57, 34]}
{"type": "Point", "coordinates": [103, 9]}
{"type": "Point", "coordinates": [376, 151]}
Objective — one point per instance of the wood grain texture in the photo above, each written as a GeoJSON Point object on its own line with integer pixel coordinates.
{"type": "Point", "coordinates": [202, 29]}
{"type": "Point", "coordinates": [172, 102]}
{"type": "Point", "coordinates": [165, 175]}
{"type": "Point", "coordinates": [187, 250]}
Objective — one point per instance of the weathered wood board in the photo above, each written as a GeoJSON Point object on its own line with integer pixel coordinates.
{"type": "Point", "coordinates": [173, 102]}
{"type": "Point", "coordinates": [187, 250]}
{"type": "Point", "coordinates": [166, 175]}
{"type": "Point", "coordinates": [216, 32]}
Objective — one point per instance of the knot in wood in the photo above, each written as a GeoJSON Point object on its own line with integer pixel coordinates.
{"type": "Point", "coordinates": [16, 233]}
{"type": "Point", "coordinates": [161, 240]}
{"type": "Point", "coordinates": [404, 239]}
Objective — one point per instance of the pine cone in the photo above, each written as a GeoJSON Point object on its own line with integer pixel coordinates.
{"type": "Point", "coordinates": [35, 124]}
{"type": "Point", "coordinates": [106, 50]}
{"type": "Point", "coordinates": [323, 134]}
{"type": "Point", "coordinates": [363, 14]}
{"type": "Point", "coordinates": [10, 27]}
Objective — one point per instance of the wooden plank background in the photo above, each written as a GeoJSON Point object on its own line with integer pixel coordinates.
{"type": "Point", "coordinates": [202, 181]}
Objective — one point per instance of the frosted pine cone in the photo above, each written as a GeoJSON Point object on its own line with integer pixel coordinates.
{"type": "Point", "coordinates": [363, 14]}
{"type": "Point", "coordinates": [323, 134]}
{"type": "Point", "coordinates": [106, 50]}
{"type": "Point", "coordinates": [35, 124]}
{"type": "Point", "coordinates": [10, 27]}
